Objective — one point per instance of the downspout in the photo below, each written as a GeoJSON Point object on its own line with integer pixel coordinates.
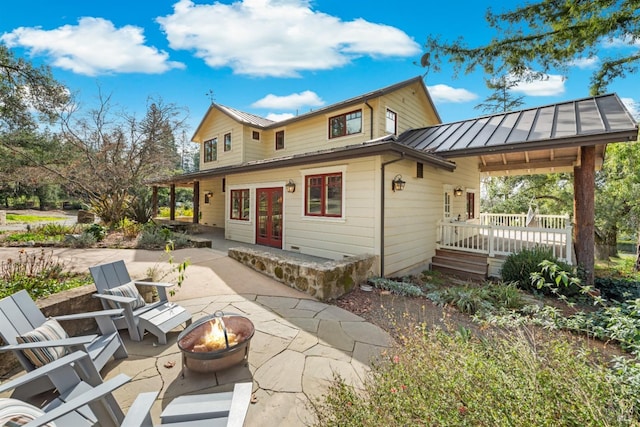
{"type": "Point", "coordinates": [366, 102]}
{"type": "Point", "coordinates": [382, 197]}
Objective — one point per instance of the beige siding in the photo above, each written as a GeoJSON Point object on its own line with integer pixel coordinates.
{"type": "Point", "coordinates": [410, 240]}
{"type": "Point", "coordinates": [216, 126]}
{"type": "Point", "coordinates": [212, 213]}
{"type": "Point", "coordinates": [326, 237]}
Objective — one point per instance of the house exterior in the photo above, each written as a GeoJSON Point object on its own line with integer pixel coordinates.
{"type": "Point", "coordinates": [342, 160]}
{"type": "Point", "coordinates": [379, 174]}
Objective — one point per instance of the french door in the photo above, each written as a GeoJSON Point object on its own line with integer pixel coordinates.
{"type": "Point", "coordinates": [269, 217]}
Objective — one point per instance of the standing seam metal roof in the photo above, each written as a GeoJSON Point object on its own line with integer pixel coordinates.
{"type": "Point", "coordinates": [602, 115]}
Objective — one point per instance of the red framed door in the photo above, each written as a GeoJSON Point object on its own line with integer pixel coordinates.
{"type": "Point", "coordinates": [269, 217]}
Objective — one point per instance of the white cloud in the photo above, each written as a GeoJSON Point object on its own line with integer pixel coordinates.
{"type": "Point", "coordinates": [633, 107]}
{"type": "Point", "coordinates": [585, 63]}
{"type": "Point", "coordinates": [625, 41]}
{"type": "Point", "coordinates": [444, 93]}
{"type": "Point", "coordinates": [278, 38]}
{"type": "Point", "coordinates": [279, 117]}
{"type": "Point", "coordinates": [548, 85]}
{"type": "Point", "coordinates": [290, 102]}
{"type": "Point", "coordinates": [94, 46]}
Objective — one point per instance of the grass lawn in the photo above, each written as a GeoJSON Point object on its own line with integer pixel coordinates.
{"type": "Point", "coordinates": [19, 218]}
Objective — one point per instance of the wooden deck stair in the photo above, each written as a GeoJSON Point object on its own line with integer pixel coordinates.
{"type": "Point", "coordinates": [465, 265]}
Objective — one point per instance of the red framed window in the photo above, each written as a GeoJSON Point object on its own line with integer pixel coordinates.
{"type": "Point", "coordinates": [280, 140]}
{"type": "Point", "coordinates": [240, 204]}
{"type": "Point", "coordinates": [345, 124]}
{"type": "Point", "coordinates": [211, 150]}
{"type": "Point", "coordinates": [323, 195]}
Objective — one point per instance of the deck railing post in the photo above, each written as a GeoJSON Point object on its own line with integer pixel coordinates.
{"type": "Point", "coordinates": [490, 237]}
{"type": "Point", "coordinates": [568, 238]}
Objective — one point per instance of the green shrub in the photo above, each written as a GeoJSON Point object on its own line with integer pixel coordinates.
{"type": "Point", "coordinates": [39, 273]}
{"type": "Point", "coordinates": [617, 289]}
{"type": "Point", "coordinates": [518, 267]}
{"type": "Point", "coordinates": [98, 231]}
{"type": "Point", "coordinates": [441, 379]}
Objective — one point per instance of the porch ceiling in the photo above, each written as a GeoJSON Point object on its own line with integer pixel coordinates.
{"type": "Point", "coordinates": [536, 140]}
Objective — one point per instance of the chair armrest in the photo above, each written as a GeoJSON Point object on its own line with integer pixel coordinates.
{"type": "Point", "coordinates": [95, 393]}
{"type": "Point", "coordinates": [42, 371]}
{"type": "Point", "coordinates": [158, 284]}
{"type": "Point", "coordinates": [67, 342]}
{"type": "Point", "coordinates": [239, 404]}
{"type": "Point", "coordinates": [90, 314]}
{"type": "Point", "coordinates": [139, 414]}
{"type": "Point", "coordinates": [115, 298]}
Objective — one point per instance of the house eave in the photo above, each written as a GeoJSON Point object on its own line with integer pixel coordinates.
{"type": "Point", "coordinates": [343, 153]}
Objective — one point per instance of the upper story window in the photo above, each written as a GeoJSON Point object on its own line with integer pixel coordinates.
{"type": "Point", "coordinates": [323, 195]}
{"type": "Point", "coordinates": [255, 135]}
{"type": "Point", "coordinates": [345, 124]}
{"type": "Point", "coordinates": [419, 170]}
{"type": "Point", "coordinates": [227, 142]}
{"type": "Point", "coordinates": [211, 150]}
{"type": "Point", "coordinates": [391, 122]}
{"type": "Point", "coordinates": [280, 140]}
{"type": "Point", "coordinates": [240, 204]}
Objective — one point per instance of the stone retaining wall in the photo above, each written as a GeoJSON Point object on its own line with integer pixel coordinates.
{"type": "Point", "coordinates": [324, 281]}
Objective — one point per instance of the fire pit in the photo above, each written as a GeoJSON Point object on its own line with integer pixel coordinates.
{"type": "Point", "coordinates": [215, 342]}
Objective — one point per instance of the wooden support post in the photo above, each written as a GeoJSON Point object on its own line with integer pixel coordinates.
{"type": "Point", "coordinates": [584, 212]}
{"type": "Point", "coordinates": [172, 202]}
{"type": "Point", "coordinates": [196, 202]}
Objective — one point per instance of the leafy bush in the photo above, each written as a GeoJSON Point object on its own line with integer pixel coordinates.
{"type": "Point", "coordinates": [403, 288]}
{"type": "Point", "coordinates": [98, 231]}
{"type": "Point", "coordinates": [617, 289]}
{"type": "Point", "coordinates": [444, 379]}
{"type": "Point", "coordinates": [518, 267]}
{"type": "Point", "coordinates": [84, 240]}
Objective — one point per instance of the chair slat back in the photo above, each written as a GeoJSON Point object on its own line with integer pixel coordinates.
{"type": "Point", "coordinates": [18, 314]}
{"type": "Point", "coordinates": [111, 275]}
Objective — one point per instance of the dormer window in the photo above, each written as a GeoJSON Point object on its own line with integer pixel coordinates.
{"type": "Point", "coordinates": [211, 150]}
{"type": "Point", "coordinates": [345, 124]}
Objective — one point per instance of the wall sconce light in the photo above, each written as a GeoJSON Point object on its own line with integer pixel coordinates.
{"type": "Point", "coordinates": [457, 191]}
{"type": "Point", "coordinates": [207, 196]}
{"type": "Point", "coordinates": [397, 184]}
{"type": "Point", "coordinates": [290, 186]}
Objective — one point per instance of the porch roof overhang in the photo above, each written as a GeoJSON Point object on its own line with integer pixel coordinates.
{"type": "Point", "coordinates": [536, 140]}
{"type": "Point", "coordinates": [382, 146]}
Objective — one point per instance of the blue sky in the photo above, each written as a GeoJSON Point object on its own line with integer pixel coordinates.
{"type": "Point", "coordinates": [273, 58]}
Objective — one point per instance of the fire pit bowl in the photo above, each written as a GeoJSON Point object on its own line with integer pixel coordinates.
{"type": "Point", "coordinates": [216, 342]}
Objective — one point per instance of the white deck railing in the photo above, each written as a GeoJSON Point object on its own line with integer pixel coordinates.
{"type": "Point", "coordinates": [495, 240]}
{"type": "Point", "coordinates": [520, 220]}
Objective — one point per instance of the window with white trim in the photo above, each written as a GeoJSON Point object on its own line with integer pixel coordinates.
{"type": "Point", "coordinates": [447, 204]}
{"type": "Point", "coordinates": [211, 150]}
{"type": "Point", "coordinates": [323, 195]}
{"type": "Point", "coordinates": [391, 122]}
{"type": "Point", "coordinates": [345, 124]}
{"type": "Point", "coordinates": [240, 204]}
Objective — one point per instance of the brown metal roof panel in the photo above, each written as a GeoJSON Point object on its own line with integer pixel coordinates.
{"type": "Point", "coordinates": [588, 117]}
{"type": "Point", "coordinates": [473, 134]}
{"type": "Point", "coordinates": [486, 135]}
{"type": "Point", "coordinates": [565, 123]}
{"type": "Point", "coordinates": [544, 123]}
{"type": "Point", "coordinates": [438, 135]}
{"type": "Point", "coordinates": [522, 127]}
{"type": "Point", "coordinates": [436, 139]}
{"type": "Point", "coordinates": [615, 116]}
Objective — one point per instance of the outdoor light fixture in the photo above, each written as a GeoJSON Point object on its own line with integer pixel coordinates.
{"type": "Point", "coordinates": [457, 191]}
{"type": "Point", "coordinates": [290, 186]}
{"type": "Point", "coordinates": [397, 184]}
{"type": "Point", "coordinates": [208, 194]}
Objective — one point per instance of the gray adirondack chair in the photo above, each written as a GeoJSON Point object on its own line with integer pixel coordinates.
{"type": "Point", "coordinates": [84, 400]}
{"type": "Point", "coordinates": [158, 317]}
{"type": "Point", "coordinates": [19, 315]}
